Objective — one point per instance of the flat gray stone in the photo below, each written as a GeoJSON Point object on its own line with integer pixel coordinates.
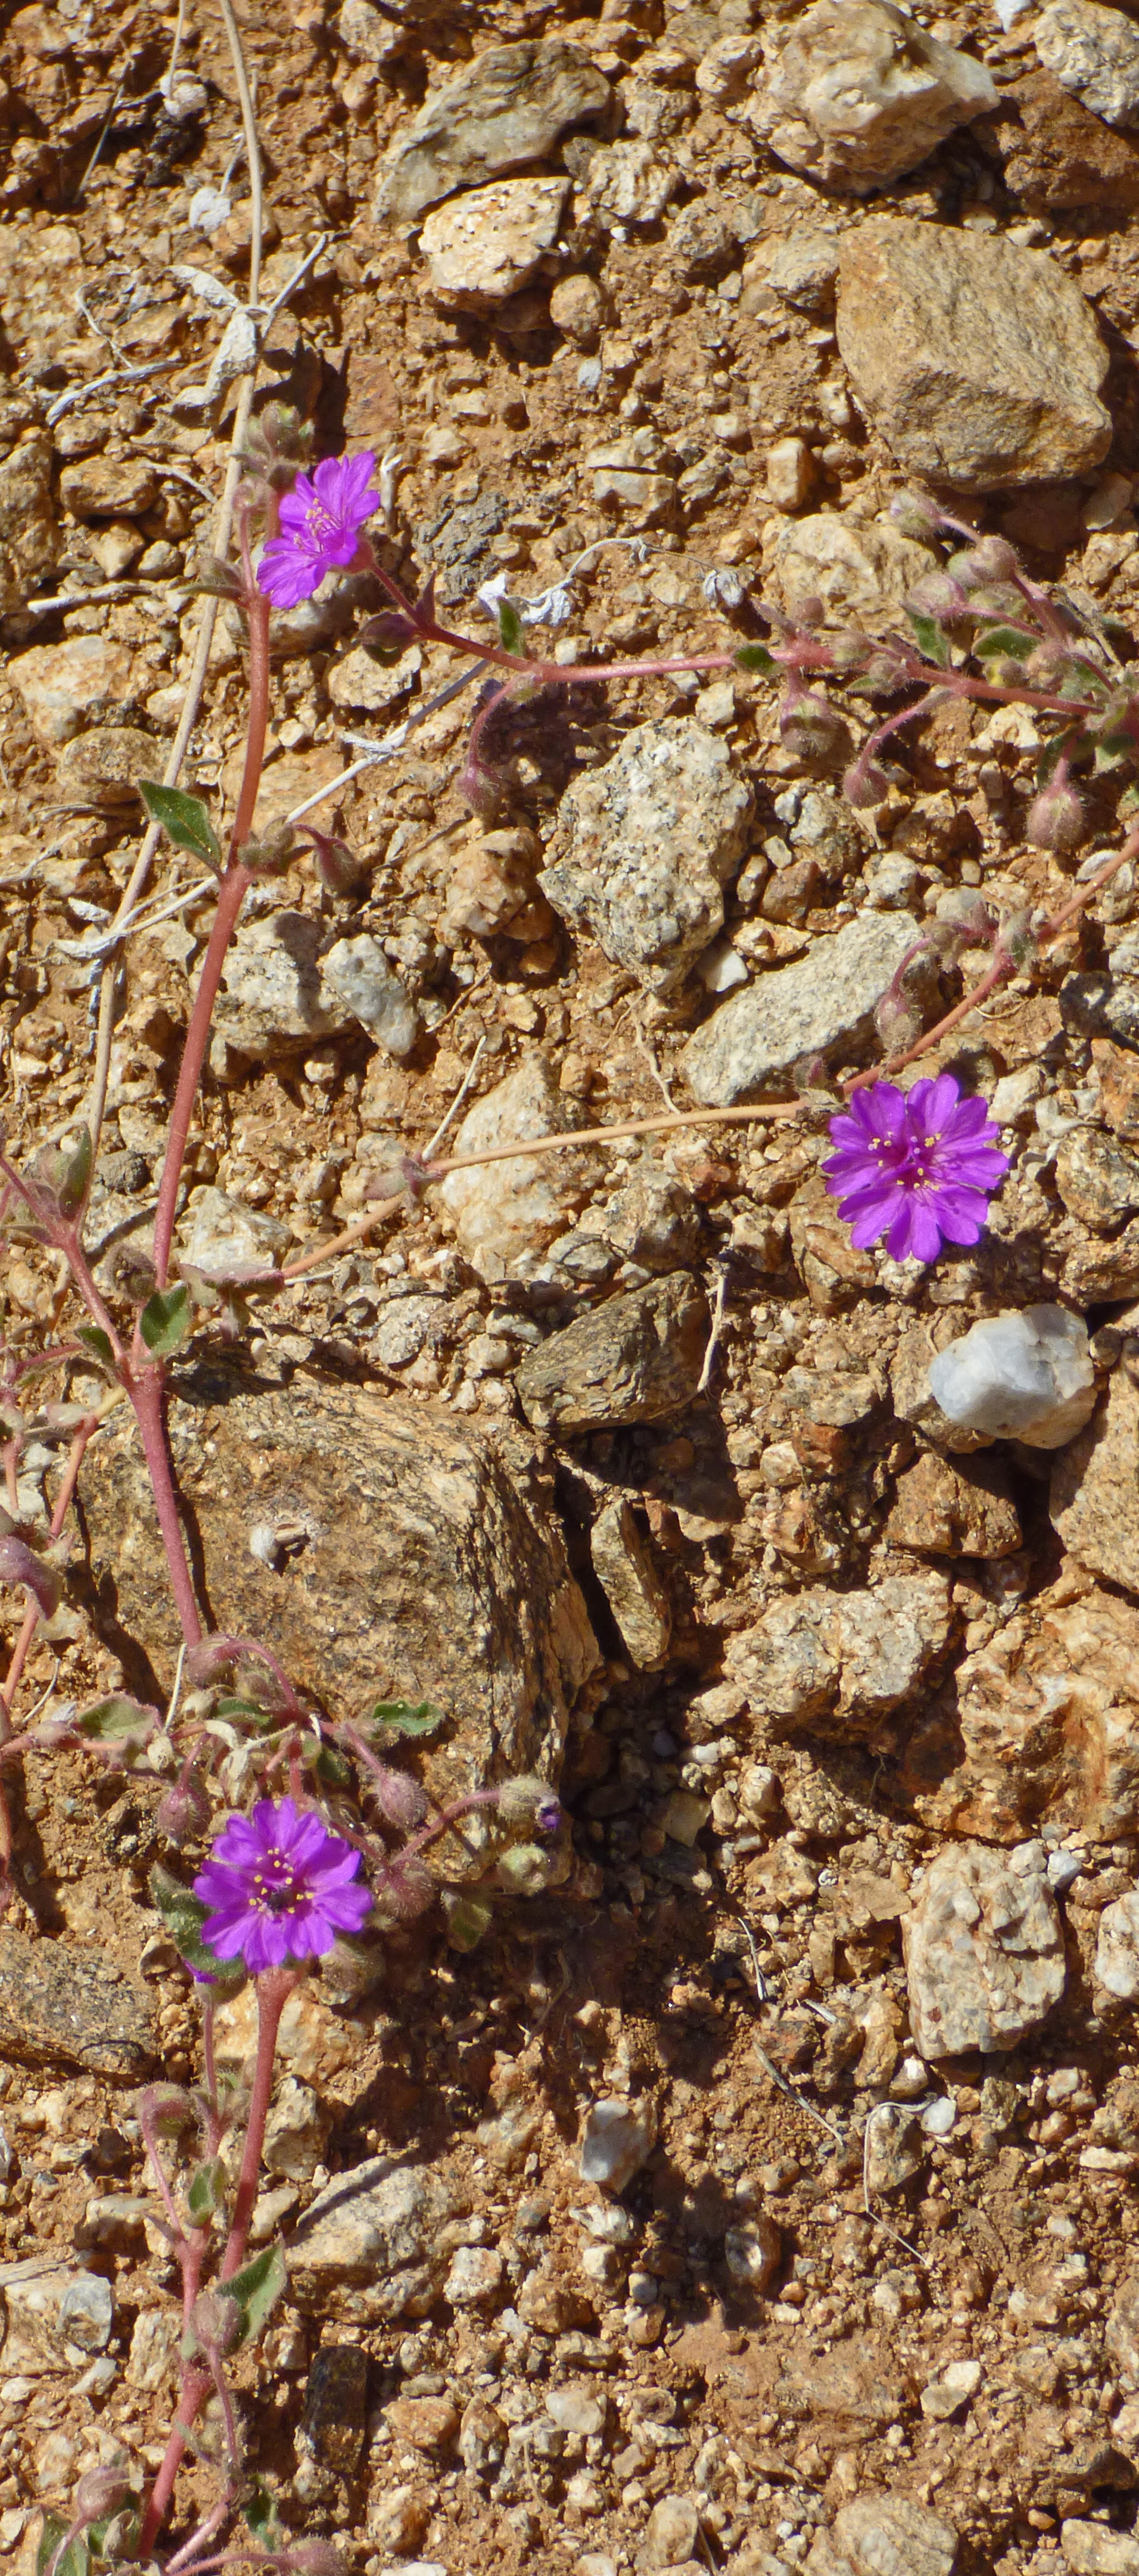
{"type": "Point", "coordinates": [984, 1952]}
{"type": "Point", "coordinates": [379, 2228]}
{"type": "Point", "coordinates": [506, 108]}
{"type": "Point", "coordinates": [825, 1001]}
{"type": "Point", "coordinates": [61, 2006]}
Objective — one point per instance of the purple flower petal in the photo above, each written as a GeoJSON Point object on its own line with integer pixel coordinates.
{"type": "Point", "coordinates": [916, 1166]}
{"type": "Point", "coordinates": [279, 1886]}
{"type": "Point", "coordinates": [320, 522]}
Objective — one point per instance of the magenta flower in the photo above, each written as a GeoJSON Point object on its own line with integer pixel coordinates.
{"type": "Point", "coordinates": [920, 1164]}
{"type": "Point", "coordinates": [321, 519]}
{"type": "Point", "coordinates": [278, 1887]}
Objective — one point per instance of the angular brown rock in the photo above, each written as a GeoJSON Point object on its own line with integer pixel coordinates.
{"type": "Point", "coordinates": [947, 1510]}
{"type": "Point", "coordinates": [420, 1560]}
{"type": "Point", "coordinates": [990, 373]}
{"type": "Point", "coordinates": [1094, 1495]}
{"type": "Point", "coordinates": [632, 1360]}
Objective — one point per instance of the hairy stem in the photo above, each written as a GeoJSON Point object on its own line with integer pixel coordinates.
{"type": "Point", "coordinates": [147, 1395]}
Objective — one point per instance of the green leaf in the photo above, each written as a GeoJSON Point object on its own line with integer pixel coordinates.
{"type": "Point", "coordinates": [257, 2288]}
{"type": "Point", "coordinates": [468, 1914]}
{"type": "Point", "coordinates": [931, 636]}
{"type": "Point", "coordinates": [95, 1340]}
{"type": "Point", "coordinates": [165, 1320]}
{"type": "Point", "coordinates": [753, 657]}
{"type": "Point", "coordinates": [205, 2192]}
{"type": "Point", "coordinates": [73, 1174]}
{"type": "Point", "coordinates": [1115, 750]}
{"type": "Point", "coordinates": [1005, 639]}
{"type": "Point", "coordinates": [74, 2560]}
{"type": "Point", "coordinates": [403, 1717]}
{"type": "Point", "coordinates": [510, 631]}
{"type": "Point", "coordinates": [325, 1763]}
{"type": "Point", "coordinates": [261, 2514]}
{"type": "Point", "coordinates": [183, 1916]}
{"type": "Point", "coordinates": [118, 1720]}
{"type": "Point", "coordinates": [184, 818]}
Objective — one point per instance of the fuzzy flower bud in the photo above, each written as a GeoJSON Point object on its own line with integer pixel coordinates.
{"type": "Point", "coordinates": [399, 1798]}
{"type": "Point", "coordinates": [524, 1870]}
{"type": "Point", "coordinates": [339, 866]}
{"type": "Point", "coordinates": [865, 784]}
{"type": "Point", "coordinates": [524, 1801]}
{"type": "Point", "coordinates": [479, 786]}
{"type": "Point", "coordinates": [215, 2321]}
{"type": "Point", "coordinates": [810, 726]}
{"type": "Point", "coordinates": [101, 2491]}
{"type": "Point", "coordinates": [990, 559]}
{"type": "Point", "coordinates": [916, 515]}
{"type": "Point", "coordinates": [404, 1891]}
{"type": "Point", "coordinates": [896, 1025]}
{"type": "Point", "coordinates": [1056, 819]}
{"type": "Point", "coordinates": [936, 595]}
{"type": "Point", "coordinates": [184, 1813]}
{"type": "Point", "coordinates": [267, 853]}
{"type": "Point", "coordinates": [314, 2558]}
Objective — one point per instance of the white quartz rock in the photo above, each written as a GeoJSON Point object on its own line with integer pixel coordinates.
{"type": "Point", "coordinates": [1025, 1376]}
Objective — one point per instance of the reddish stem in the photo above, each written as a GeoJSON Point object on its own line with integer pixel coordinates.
{"type": "Point", "coordinates": [148, 1396]}
{"type": "Point", "coordinates": [273, 1991]}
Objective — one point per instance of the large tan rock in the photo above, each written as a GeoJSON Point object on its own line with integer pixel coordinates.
{"type": "Point", "coordinates": [29, 536]}
{"type": "Point", "coordinates": [419, 1560]}
{"type": "Point", "coordinates": [506, 108]}
{"type": "Point", "coordinates": [980, 363]}
{"type": "Point", "coordinates": [984, 1952]}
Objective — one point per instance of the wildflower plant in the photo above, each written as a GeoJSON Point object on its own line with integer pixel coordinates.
{"type": "Point", "coordinates": [329, 1841]}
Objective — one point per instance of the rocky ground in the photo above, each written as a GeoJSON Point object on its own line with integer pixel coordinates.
{"type": "Point", "coordinates": [763, 2198]}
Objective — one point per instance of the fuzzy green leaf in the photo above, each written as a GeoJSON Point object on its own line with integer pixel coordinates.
{"type": "Point", "coordinates": [403, 1717]}
{"type": "Point", "coordinates": [205, 2192]}
{"type": "Point", "coordinates": [468, 1913]}
{"type": "Point", "coordinates": [165, 1320]}
{"type": "Point", "coordinates": [510, 633]}
{"type": "Point", "coordinates": [257, 2288]}
{"type": "Point", "coordinates": [95, 1340]}
{"type": "Point", "coordinates": [183, 1916]}
{"type": "Point", "coordinates": [932, 638]}
{"type": "Point", "coordinates": [261, 2515]}
{"type": "Point", "coordinates": [1005, 639]}
{"type": "Point", "coordinates": [74, 2561]}
{"type": "Point", "coordinates": [184, 818]}
{"type": "Point", "coordinates": [753, 657]}
{"type": "Point", "coordinates": [118, 1720]}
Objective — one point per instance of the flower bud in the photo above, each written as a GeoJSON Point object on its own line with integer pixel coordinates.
{"type": "Point", "coordinates": [916, 515]}
{"type": "Point", "coordinates": [1056, 819]}
{"type": "Point", "coordinates": [267, 853]}
{"type": "Point", "coordinates": [314, 2558]}
{"type": "Point", "coordinates": [404, 1891]}
{"type": "Point", "coordinates": [101, 2491]}
{"type": "Point", "coordinates": [477, 783]}
{"type": "Point", "coordinates": [865, 784]}
{"type": "Point", "coordinates": [398, 1797]}
{"type": "Point", "coordinates": [211, 1661]}
{"type": "Point", "coordinates": [988, 559]}
{"type": "Point", "coordinates": [896, 1025]}
{"type": "Point", "coordinates": [520, 1800]}
{"type": "Point", "coordinates": [936, 595]}
{"type": "Point", "coordinates": [524, 1870]}
{"type": "Point", "coordinates": [810, 726]}
{"type": "Point", "coordinates": [184, 1813]}
{"type": "Point", "coordinates": [215, 2320]}
{"type": "Point", "coordinates": [1017, 939]}
{"type": "Point", "coordinates": [339, 866]}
